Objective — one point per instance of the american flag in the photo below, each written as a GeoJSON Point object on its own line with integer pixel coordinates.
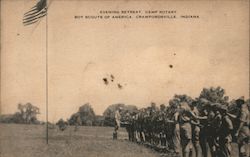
{"type": "Point", "coordinates": [35, 13]}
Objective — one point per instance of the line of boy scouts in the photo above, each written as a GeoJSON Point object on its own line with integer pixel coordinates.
{"type": "Point", "coordinates": [190, 131]}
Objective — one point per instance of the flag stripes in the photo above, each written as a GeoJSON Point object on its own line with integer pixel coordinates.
{"type": "Point", "coordinates": [35, 13]}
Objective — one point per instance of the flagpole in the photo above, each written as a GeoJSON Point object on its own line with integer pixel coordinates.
{"type": "Point", "coordinates": [47, 99]}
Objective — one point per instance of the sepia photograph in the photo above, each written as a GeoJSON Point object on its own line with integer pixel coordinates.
{"type": "Point", "coordinates": [124, 78]}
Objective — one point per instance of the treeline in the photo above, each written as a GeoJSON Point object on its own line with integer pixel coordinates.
{"type": "Point", "coordinates": [26, 114]}
{"type": "Point", "coordinates": [85, 115]}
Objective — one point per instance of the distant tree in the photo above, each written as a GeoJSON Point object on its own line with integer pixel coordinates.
{"type": "Point", "coordinates": [17, 118]}
{"type": "Point", "coordinates": [62, 124]}
{"type": "Point", "coordinates": [27, 113]}
{"type": "Point", "coordinates": [75, 119]}
{"type": "Point", "coordinates": [109, 113]}
{"type": "Point", "coordinates": [7, 118]}
{"type": "Point", "coordinates": [87, 114]}
{"type": "Point", "coordinates": [214, 95]}
{"type": "Point", "coordinates": [84, 116]}
{"type": "Point", "coordinates": [99, 120]}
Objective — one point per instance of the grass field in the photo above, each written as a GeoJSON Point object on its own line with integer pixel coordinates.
{"type": "Point", "coordinates": [29, 141]}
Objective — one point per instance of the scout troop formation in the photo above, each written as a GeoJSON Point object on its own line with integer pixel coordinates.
{"type": "Point", "coordinates": [190, 127]}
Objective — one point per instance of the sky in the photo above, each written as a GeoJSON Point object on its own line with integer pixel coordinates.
{"type": "Point", "coordinates": [212, 50]}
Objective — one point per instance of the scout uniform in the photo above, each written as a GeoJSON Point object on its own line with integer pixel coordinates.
{"type": "Point", "coordinates": [176, 137]}
{"type": "Point", "coordinates": [203, 135]}
{"type": "Point", "coordinates": [215, 121]}
{"type": "Point", "coordinates": [196, 132]}
{"type": "Point", "coordinates": [185, 129]}
{"type": "Point", "coordinates": [243, 132]}
{"type": "Point", "coordinates": [129, 125]}
{"type": "Point", "coordinates": [225, 137]}
{"type": "Point", "coordinates": [117, 123]}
